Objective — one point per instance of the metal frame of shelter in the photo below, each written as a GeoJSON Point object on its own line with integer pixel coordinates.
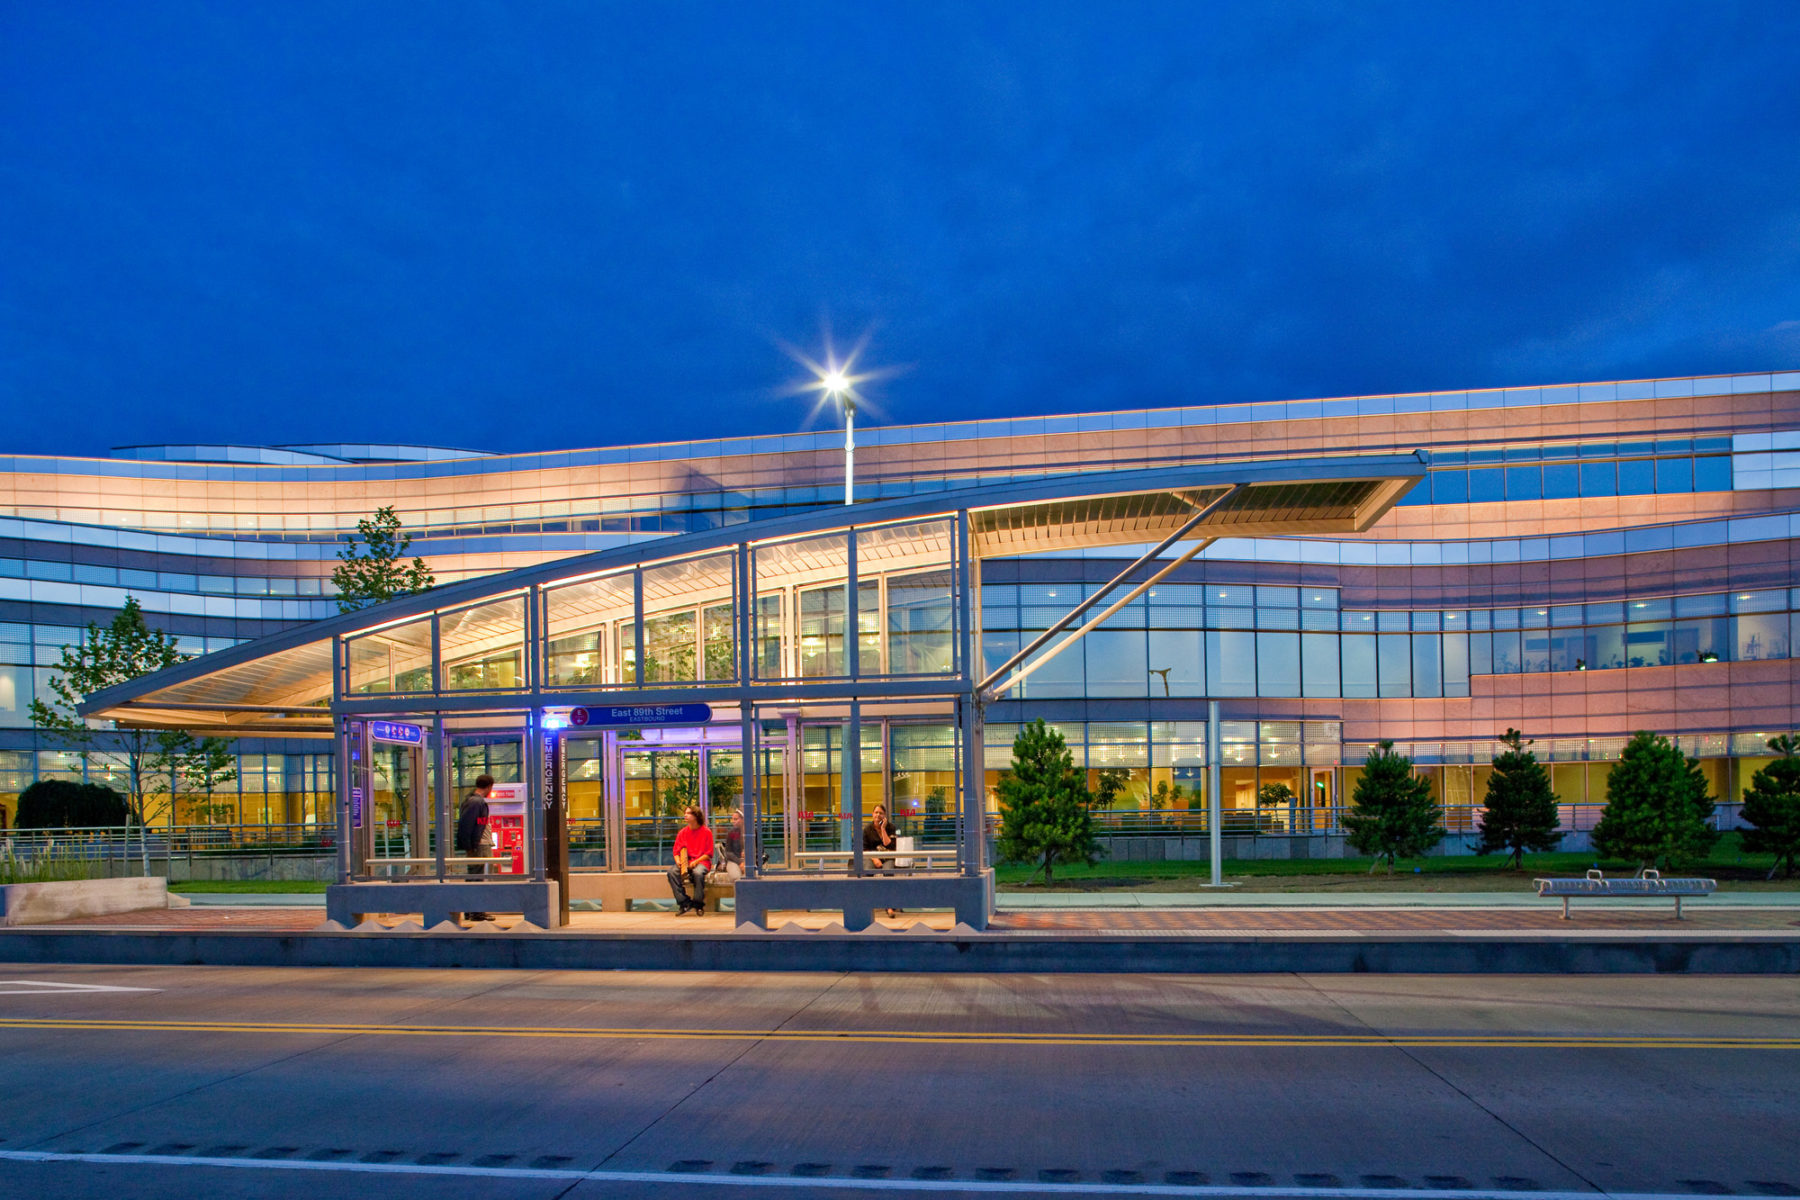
{"type": "Point", "coordinates": [518, 652]}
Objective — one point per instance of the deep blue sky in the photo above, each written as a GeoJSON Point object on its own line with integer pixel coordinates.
{"type": "Point", "coordinates": [528, 225]}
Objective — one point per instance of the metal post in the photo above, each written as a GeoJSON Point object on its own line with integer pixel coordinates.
{"type": "Point", "coordinates": [535, 799]}
{"type": "Point", "coordinates": [1214, 805]}
{"type": "Point", "coordinates": [971, 756]}
{"type": "Point", "coordinates": [343, 765]}
{"type": "Point", "coordinates": [637, 625]}
{"type": "Point", "coordinates": [850, 762]}
{"type": "Point", "coordinates": [441, 786]}
{"type": "Point", "coordinates": [750, 797]}
{"type": "Point", "coordinates": [849, 450]}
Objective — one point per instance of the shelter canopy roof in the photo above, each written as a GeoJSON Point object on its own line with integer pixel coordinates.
{"type": "Point", "coordinates": [281, 684]}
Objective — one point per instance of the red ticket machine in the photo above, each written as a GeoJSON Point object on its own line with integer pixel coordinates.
{"type": "Point", "coordinates": [506, 817]}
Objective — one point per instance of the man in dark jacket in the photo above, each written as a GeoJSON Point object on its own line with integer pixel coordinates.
{"type": "Point", "coordinates": [472, 835]}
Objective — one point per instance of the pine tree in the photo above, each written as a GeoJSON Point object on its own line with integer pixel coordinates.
{"type": "Point", "coordinates": [1392, 814]}
{"type": "Point", "coordinates": [1772, 805]}
{"type": "Point", "coordinates": [379, 574]}
{"type": "Point", "coordinates": [1658, 812]}
{"type": "Point", "coordinates": [1044, 815]}
{"type": "Point", "coordinates": [1521, 809]}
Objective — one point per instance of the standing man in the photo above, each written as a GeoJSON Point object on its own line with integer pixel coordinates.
{"type": "Point", "coordinates": [473, 837]}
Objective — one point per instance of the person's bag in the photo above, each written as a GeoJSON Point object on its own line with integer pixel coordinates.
{"type": "Point", "coordinates": [903, 844]}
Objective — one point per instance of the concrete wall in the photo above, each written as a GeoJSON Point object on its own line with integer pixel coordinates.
{"type": "Point", "coordinates": [37, 903]}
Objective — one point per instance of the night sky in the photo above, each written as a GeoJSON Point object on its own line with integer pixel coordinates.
{"type": "Point", "coordinates": [531, 225]}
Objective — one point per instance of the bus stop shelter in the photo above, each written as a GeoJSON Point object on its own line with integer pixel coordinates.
{"type": "Point", "coordinates": [750, 667]}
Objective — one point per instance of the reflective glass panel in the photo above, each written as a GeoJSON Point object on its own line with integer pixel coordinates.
{"type": "Point", "coordinates": [395, 659]}
{"type": "Point", "coordinates": [1358, 665]}
{"type": "Point", "coordinates": [1278, 664]}
{"type": "Point", "coordinates": [484, 647]}
{"type": "Point", "coordinates": [920, 624]}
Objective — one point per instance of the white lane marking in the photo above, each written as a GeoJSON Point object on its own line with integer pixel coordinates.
{"type": "Point", "coordinates": [826, 1182]}
{"type": "Point", "coordinates": [35, 987]}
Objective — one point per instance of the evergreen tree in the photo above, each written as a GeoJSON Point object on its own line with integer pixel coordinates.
{"type": "Point", "coordinates": [156, 762]}
{"type": "Point", "coordinates": [1658, 812]}
{"type": "Point", "coordinates": [377, 574]}
{"type": "Point", "coordinates": [1392, 814]}
{"type": "Point", "coordinates": [1521, 809]}
{"type": "Point", "coordinates": [1044, 815]}
{"type": "Point", "coordinates": [1772, 805]}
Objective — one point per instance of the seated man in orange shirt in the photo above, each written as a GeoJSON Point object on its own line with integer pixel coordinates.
{"type": "Point", "coordinates": [693, 850]}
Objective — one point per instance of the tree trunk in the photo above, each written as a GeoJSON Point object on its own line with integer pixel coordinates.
{"type": "Point", "coordinates": [1047, 869]}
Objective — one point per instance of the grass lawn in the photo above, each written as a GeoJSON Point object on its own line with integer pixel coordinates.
{"type": "Point", "coordinates": [1735, 871]}
{"type": "Point", "coordinates": [284, 887]}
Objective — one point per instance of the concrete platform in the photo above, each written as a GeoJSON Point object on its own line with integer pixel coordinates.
{"type": "Point", "coordinates": [859, 897]}
{"type": "Point", "coordinates": [437, 900]}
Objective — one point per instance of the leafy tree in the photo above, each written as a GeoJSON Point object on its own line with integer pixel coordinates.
{"type": "Point", "coordinates": [1771, 804]}
{"type": "Point", "coordinates": [1392, 814]}
{"type": "Point", "coordinates": [65, 804]}
{"type": "Point", "coordinates": [1658, 811]}
{"type": "Point", "coordinates": [1271, 796]}
{"type": "Point", "coordinates": [1044, 813]}
{"type": "Point", "coordinates": [1109, 784]}
{"type": "Point", "coordinates": [365, 577]}
{"type": "Point", "coordinates": [156, 763]}
{"type": "Point", "coordinates": [1520, 811]}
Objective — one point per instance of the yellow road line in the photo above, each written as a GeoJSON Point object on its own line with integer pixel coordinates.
{"type": "Point", "coordinates": [938, 1037]}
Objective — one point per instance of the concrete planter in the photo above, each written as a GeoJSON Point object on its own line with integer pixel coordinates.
{"type": "Point", "coordinates": [37, 903]}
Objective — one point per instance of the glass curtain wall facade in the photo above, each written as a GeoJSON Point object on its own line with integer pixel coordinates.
{"type": "Point", "coordinates": [1581, 561]}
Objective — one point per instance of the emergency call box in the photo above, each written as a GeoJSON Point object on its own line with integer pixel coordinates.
{"type": "Point", "coordinates": [506, 818]}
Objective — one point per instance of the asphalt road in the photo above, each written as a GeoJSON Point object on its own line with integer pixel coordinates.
{"type": "Point", "coordinates": [229, 1082]}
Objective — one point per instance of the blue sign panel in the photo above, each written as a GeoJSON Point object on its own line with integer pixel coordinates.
{"type": "Point", "coordinates": [394, 731]}
{"type": "Point", "coordinates": [630, 716]}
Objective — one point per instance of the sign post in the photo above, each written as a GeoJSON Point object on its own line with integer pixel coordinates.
{"type": "Point", "coordinates": [556, 817]}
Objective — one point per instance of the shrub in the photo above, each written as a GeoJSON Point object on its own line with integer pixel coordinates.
{"type": "Point", "coordinates": [65, 804]}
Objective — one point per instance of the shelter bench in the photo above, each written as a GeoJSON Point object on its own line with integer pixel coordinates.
{"type": "Point", "coordinates": [933, 858]}
{"type": "Point", "coordinates": [1598, 887]}
{"type": "Point", "coordinates": [452, 860]}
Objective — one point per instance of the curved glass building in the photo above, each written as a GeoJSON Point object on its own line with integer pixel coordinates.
{"type": "Point", "coordinates": [1577, 561]}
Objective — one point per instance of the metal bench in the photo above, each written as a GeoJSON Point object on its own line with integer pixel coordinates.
{"type": "Point", "coordinates": [1599, 887]}
{"type": "Point", "coordinates": [451, 860]}
{"type": "Point", "coordinates": [928, 859]}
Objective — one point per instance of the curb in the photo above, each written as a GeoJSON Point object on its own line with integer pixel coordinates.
{"type": "Point", "coordinates": [1777, 954]}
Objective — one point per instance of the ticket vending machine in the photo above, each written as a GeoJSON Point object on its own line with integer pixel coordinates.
{"type": "Point", "coordinates": [506, 817]}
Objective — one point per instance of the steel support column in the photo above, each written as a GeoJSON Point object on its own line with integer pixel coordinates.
{"type": "Point", "coordinates": [1214, 802]}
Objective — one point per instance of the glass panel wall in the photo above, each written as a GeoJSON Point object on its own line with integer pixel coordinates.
{"type": "Point", "coordinates": [395, 659]}
{"type": "Point", "coordinates": [483, 647]}
{"type": "Point", "coordinates": [579, 619]}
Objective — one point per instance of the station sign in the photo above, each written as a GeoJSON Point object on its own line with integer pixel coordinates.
{"type": "Point", "coordinates": [396, 731]}
{"type": "Point", "coordinates": [632, 716]}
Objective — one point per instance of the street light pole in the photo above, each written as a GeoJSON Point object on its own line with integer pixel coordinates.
{"type": "Point", "coordinates": [849, 449]}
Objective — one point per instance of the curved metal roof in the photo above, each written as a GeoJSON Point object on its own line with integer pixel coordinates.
{"type": "Point", "coordinates": [276, 684]}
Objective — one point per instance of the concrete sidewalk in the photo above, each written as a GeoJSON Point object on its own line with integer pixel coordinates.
{"type": "Point", "coordinates": [1228, 898]}
{"type": "Point", "coordinates": [1231, 898]}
